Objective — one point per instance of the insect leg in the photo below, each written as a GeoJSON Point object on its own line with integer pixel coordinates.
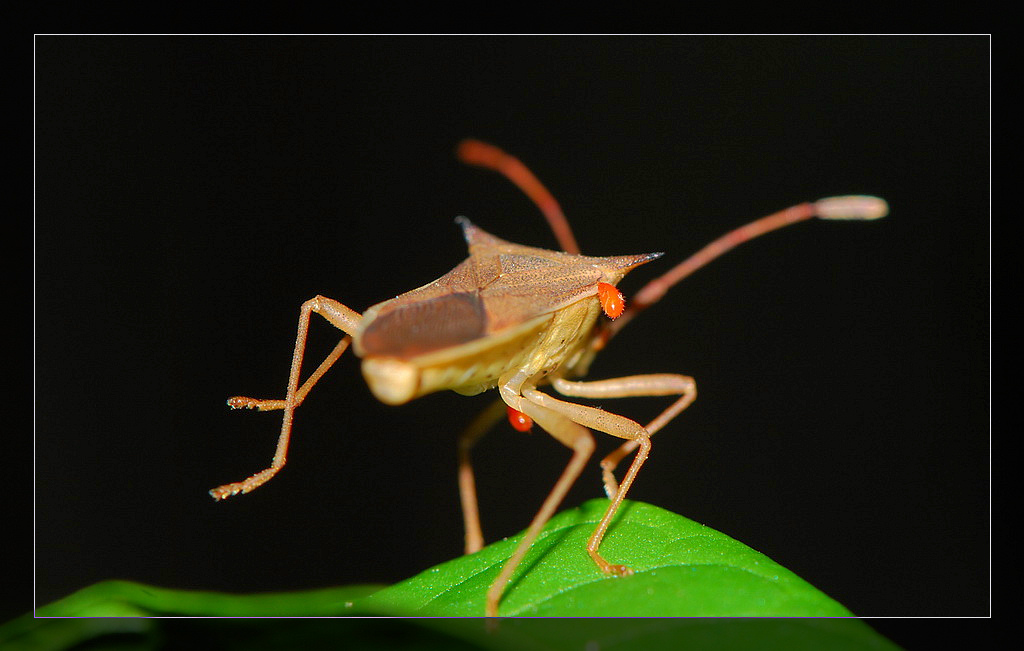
{"type": "Point", "coordinates": [615, 425]}
{"type": "Point", "coordinates": [573, 436]}
{"type": "Point", "coordinates": [342, 318]}
{"type": "Point", "coordinates": [467, 484]}
{"type": "Point", "coordinates": [657, 384]}
{"type": "Point", "coordinates": [243, 402]}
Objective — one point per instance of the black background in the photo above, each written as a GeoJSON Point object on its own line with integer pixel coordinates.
{"type": "Point", "coordinates": [191, 192]}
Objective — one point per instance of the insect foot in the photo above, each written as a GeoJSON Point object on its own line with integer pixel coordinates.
{"type": "Point", "coordinates": [224, 492]}
{"type": "Point", "coordinates": [618, 570]}
{"type": "Point", "coordinates": [609, 568]}
{"type": "Point", "coordinates": [241, 402]}
{"type": "Point", "coordinates": [252, 483]}
{"type": "Point", "coordinates": [611, 485]}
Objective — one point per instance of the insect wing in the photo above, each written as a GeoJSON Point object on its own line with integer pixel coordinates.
{"type": "Point", "coordinates": [500, 285]}
{"type": "Point", "coordinates": [441, 314]}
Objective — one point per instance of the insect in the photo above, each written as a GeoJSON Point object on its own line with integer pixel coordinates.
{"type": "Point", "coordinates": [517, 318]}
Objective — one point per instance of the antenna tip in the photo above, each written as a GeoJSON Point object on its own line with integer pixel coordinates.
{"type": "Point", "coordinates": [854, 206]}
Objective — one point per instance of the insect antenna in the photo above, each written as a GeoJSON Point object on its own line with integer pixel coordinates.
{"type": "Point", "coordinates": [475, 152]}
{"type": "Point", "coordinates": [852, 207]}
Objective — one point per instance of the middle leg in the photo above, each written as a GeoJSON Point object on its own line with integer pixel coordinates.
{"type": "Point", "coordinates": [608, 423]}
{"type": "Point", "coordinates": [484, 421]}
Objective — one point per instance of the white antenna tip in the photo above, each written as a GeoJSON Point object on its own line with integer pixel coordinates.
{"type": "Point", "coordinates": [854, 206]}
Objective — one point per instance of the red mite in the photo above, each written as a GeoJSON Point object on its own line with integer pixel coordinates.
{"type": "Point", "coordinates": [612, 301]}
{"type": "Point", "coordinates": [520, 422]}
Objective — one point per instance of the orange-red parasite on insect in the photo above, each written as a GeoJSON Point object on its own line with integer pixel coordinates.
{"type": "Point", "coordinates": [520, 422]}
{"type": "Point", "coordinates": [612, 301]}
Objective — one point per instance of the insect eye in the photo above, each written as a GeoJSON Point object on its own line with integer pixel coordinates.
{"type": "Point", "coordinates": [612, 301]}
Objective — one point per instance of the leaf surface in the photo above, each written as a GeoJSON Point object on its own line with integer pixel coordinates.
{"type": "Point", "coordinates": [681, 568]}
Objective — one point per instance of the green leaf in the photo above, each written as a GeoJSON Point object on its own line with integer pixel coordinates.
{"type": "Point", "coordinates": [681, 568]}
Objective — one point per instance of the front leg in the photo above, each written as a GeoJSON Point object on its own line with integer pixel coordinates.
{"type": "Point", "coordinates": [580, 441]}
{"type": "Point", "coordinates": [608, 423]}
{"type": "Point", "coordinates": [657, 384]}
{"type": "Point", "coordinates": [341, 317]}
